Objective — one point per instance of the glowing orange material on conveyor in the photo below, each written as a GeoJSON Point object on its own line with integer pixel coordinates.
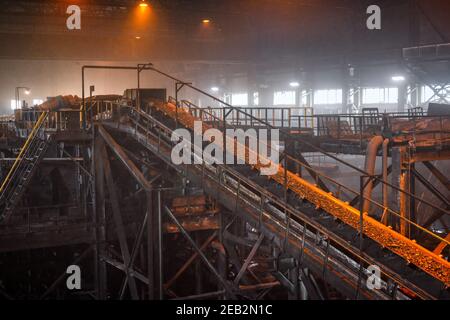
{"type": "Point", "coordinates": [409, 250]}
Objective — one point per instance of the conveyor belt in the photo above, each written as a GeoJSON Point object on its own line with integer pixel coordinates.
{"type": "Point", "coordinates": [404, 247]}
{"type": "Point", "coordinates": [387, 238]}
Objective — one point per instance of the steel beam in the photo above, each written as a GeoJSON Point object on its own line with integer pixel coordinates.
{"type": "Point", "coordinates": [100, 217]}
{"type": "Point", "coordinates": [134, 252]}
{"type": "Point", "coordinates": [150, 244]}
{"type": "Point", "coordinates": [160, 247]}
{"type": "Point", "coordinates": [432, 188]}
{"type": "Point", "coordinates": [186, 265]}
{"type": "Point", "coordinates": [436, 216]}
{"type": "Point", "coordinates": [118, 220]}
{"type": "Point", "coordinates": [121, 154]}
{"type": "Point", "coordinates": [248, 259]}
{"type": "Point", "coordinates": [438, 174]}
{"type": "Point", "coordinates": [119, 265]}
{"type": "Point", "coordinates": [201, 254]}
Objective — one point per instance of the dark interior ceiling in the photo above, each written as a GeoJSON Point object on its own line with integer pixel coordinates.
{"type": "Point", "coordinates": [251, 30]}
{"type": "Point", "coordinates": [251, 41]}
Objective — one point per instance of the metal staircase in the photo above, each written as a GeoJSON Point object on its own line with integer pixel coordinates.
{"type": "Point", "coordinates": [20, 174]}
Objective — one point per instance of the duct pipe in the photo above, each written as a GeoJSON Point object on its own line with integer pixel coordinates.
{"type": "Point", "coordinates": [371, 158]}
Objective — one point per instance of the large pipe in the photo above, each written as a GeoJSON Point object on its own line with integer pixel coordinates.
{"type": "Point", "coordinates": [371, 158]}
{"type": "Point", "coordinates": [404, 177]}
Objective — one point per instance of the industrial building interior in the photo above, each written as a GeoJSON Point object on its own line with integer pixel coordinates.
{"type": "Point", "coordinates": [95, 96]}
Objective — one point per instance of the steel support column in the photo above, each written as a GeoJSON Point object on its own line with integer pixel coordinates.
{"type": "Point", "coordinates": [224, 283]}
{"type": "Point", "coordinates": [100, 229]}
{"type": "Point", "coordinates": [113, 198]}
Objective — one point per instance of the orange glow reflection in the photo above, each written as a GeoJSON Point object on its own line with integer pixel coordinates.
{"type": "Point", "coordinates": [141, 16]}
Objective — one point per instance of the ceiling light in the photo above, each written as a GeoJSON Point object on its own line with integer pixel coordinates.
{"type": "Point", "coordinates": [27, 92]}
{"type": "Point", "coordinates": [143, 4]}
{"type": "Point", "coordinates": [294, 84]}
{"type": "Point", "coordinates": [206, 21]}
{"type": "Point", "coordinates": [398, 78]}
{"type": "Point", "coordinates": [214, 89]}
{"type": "Point", "coordinates": [137, 37]}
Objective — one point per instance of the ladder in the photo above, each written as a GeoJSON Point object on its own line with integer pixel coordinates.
{"type": "Point", "coordinates": [20, 174]}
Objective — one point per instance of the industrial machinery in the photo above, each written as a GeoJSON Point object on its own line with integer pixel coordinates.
{"type": "Point", "coordinates": [298, 233]}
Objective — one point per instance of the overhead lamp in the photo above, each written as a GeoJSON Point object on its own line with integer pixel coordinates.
{"type": "Point", "coordinates": [138, 37]}
{"type": "Point", "coordinates": [206, 21]}
{"type": "Point", "coordinates": [27, 91]}
{"type": "Point", "coordinates": [398, 78]}
{"type": "Point", "coordinates": [214, 89]}
{"type": "Point", "coordinates": [143, 4]}
{"type": "Point", "coordinates": [294, 84]}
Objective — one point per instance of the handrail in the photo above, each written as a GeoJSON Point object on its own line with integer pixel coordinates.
{"type": "Point", "coordinates": [292, 158]}
{"type": "Point", "coordinates": [339, 185]}
{"type": "Point", "coordinates": [397, 243]}
{"type": "Point", "coordinates": [318, 149]}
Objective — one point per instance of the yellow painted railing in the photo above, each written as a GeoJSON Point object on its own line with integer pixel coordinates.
{"type": "Point", "coordinates": [23, 150]}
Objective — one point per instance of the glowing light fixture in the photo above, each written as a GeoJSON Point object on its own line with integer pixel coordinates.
{"type": "Point", "coordinates": [206, 21]}
{"type": "Point", "coordinates": [143, 4]}
{"type": "Point", "coordinates": [398, 78]}
{"type": "Point", "coordinates": [214, 89]}
{"type": "Point", "coordinates": [27, 91]}
{"type": "Point", "coordinates": [294, 84]}
{"type": "Point", "coordinates": [138, 37]}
